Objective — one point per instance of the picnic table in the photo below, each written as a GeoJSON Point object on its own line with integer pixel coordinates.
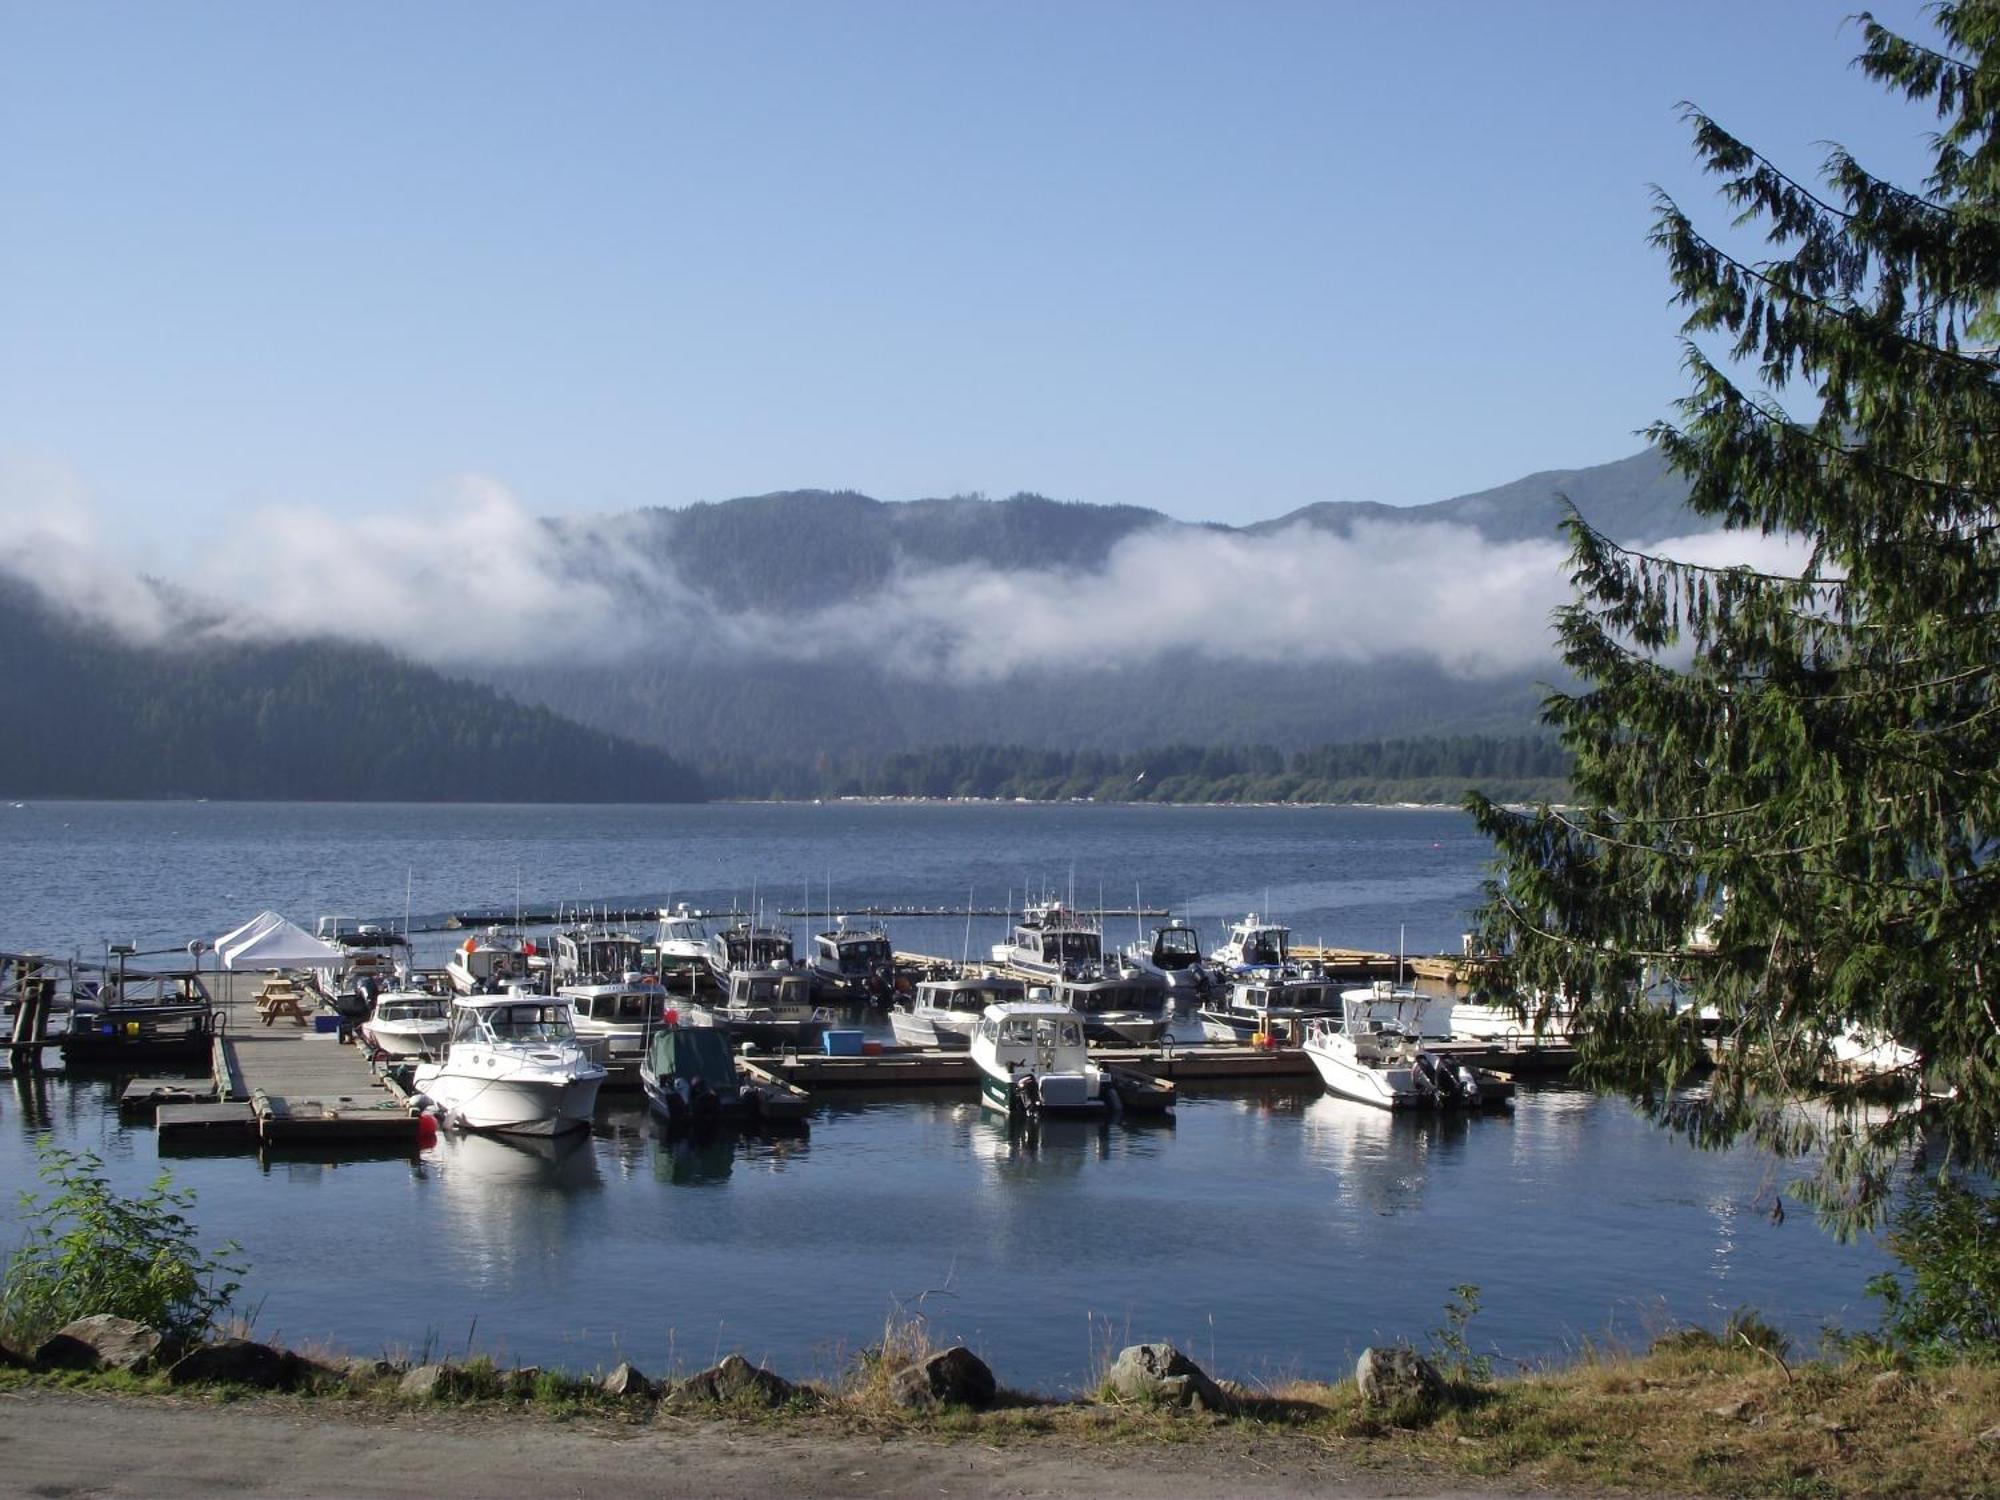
{"type": "Point", "coordinates": [280, 996]}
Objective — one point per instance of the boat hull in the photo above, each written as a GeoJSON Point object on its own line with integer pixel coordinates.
{"type": "Point", "coordinates": [1063, 1095]}
{"type": "Point", "coordinates": [512, 1106]}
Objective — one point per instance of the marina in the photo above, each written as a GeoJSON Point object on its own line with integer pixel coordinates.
{"type": "Point", "coordinates": [892, 1178]}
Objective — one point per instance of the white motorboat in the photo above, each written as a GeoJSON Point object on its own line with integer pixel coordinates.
{"type": "Point", "coordinates": [370, 957]}
{"type": "Point", "coordinates": [591, 953]}
{"type": "Point", "coordinates": [612, 1020]}
{"type": "Point", "coordinates": [1371, 1054]}
{"type": "Point", "coordinates": [680, 947]}
{"type": "Point", "coordinates": [487, 964]}
{"type": "Point", "coordinates": [512, 1064]}
{"type": "Point", "coordinates": [1254, 944]}
{"type": "Point", "coordinates": [1475, 1020]}
{"type": "Point", "coordinates": [1054, 946]}
{"type": "Point", "coordinates": [1033, 1061]}
{"type": "Point", "coordinates": [1173, 953]}
{"type": "Point", "coordinates": [408, 1023]}
{"type": "Point", "coordinates": [746, 944]}
{"type": "Point", "coordinates": [944, 1010]}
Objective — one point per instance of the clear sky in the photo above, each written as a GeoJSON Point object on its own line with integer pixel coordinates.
{"type": "Point", "coordinates": [1221, 259]}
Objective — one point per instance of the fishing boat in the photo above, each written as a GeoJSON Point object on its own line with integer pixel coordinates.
{"type": "Point", "coordinates": [127, 1017]}
{"type": "Point", "coordinates": [680, 947]}
{"type": "Point", "coordinates": [1276, 1004]}
{"type": "Point", "coordinates": [943, 1010]}
{"type": "Point", "coordinates": [408, 1023]}
{"type": "Point", "coordinates": [1033, 1061]}
{"type": "Point", "coordinates": [512, 1064]}
{"type": "Point", "coordinates": [747, 944]}
{"type": "Point", "coordinates": [1064, 950]}
{"type": "Point", "coordinates": [691, 1077]}
{"type": "Point", "coordinates": [1173, 952]}
{"type": "Point", "coordinates": [612, 1019]}
{"type": "Point", "coordinates": [491, 962]}
{"type": "Point", "coordinates": [853, 964]}
{"type": "Point", "coordinates": [771, 1009]}
{"type": "Point", "coordinates": [1255, 943]}
{"type": "Point", "coordinates": [1372, 1054]}
{"type": "Point", "coordinates": [590, 954]}
{"type": "Point", "coordinates": [371, 956]}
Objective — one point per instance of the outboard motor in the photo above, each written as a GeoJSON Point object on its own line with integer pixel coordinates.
{"type": "Point", "coordinates": [1468, 1087]}
{"type": "Point", "coordinates": [703, 1101]}
{"type": "Point", "coordinates": [1028, 1094]}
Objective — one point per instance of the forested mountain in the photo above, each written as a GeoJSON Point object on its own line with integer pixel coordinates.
{"type": "Point", "coordinates": [91, 716]}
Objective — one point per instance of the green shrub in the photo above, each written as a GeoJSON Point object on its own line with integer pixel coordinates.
{"type": "Point", "coordinates": [1944, 1303]}
{"type": "Point", "coordinates": [89, 1250]}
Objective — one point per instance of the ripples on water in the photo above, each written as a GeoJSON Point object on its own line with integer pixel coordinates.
{"type": "Point", "coordinates": [1269, 1231]}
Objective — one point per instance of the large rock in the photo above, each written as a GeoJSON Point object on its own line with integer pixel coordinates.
{"type": "Point", "coordinates": [953, 1377]}
{"type": "Point", "coordinates": [236, 1362]}
{"type": "Point", "coordinates": [733, 1382]}
{"type": "Point", "coordinates": [426, 1381]}
{"type": "Point", "coordinates": [626, 1382]}
{"type": "Point", "coordinates": [1397, 1377]}
{"type": "Point", "coordinates": [104, 1342]}
{"type": "Point", "coordinates": [1163, 1376]}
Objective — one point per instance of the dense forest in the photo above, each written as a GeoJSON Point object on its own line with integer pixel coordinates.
{"type": "Point", "coordinates": [91, 716]}
{"type": "Point", "coordinates": [1508, 768]}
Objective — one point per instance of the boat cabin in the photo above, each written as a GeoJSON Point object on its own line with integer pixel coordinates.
{"type": "Point", "coordinates": [744, 946]}
{"type": "Point", "coordinates": [611, 1005]}
{"type": "Point", "coordinates": [1256, 944]}
{"type": "Point", "coordinates": [758, 990]}
{"type": "Point", "coordinates": [1052, 937]}
{"type": "Point", "coordinates": [853, 952]}
{"type": "Point", "coordinates": [512, 1021]}
{"type": "Point", "coordinates": [1176, 948]}
{"type": "Point", "coordinates": [594, 953]}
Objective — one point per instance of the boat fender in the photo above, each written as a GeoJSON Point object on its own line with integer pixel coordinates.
{"type": "Point", "coordinates": [1114, 1098]}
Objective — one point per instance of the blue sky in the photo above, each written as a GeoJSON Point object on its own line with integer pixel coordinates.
{"type": "Point", "coordinates": [1222, 260]}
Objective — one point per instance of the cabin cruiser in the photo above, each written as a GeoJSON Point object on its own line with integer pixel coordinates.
{"type": "Point", "coordinates": [1255, 944]}
{"type": "Point", "coordinates": [408, 1023]}
{"type": "Point", "coordinates": [590, 953]}
{"type": "Point", "coordinates": [944, 1010]}
{"type": "Point", "coordinates": [512, 1064]}
{"type": "Point", "coordinates": [612, 1020]}
{"type": "Point", "coordinates": [1273, 1004]}
{"type": "Point", "coordinates": [1050, 938]}
{"type": "Point", "coordinates": [371, 957]}
{"type": "Point", "coordinates": [1372, 1054]}
{"type": "Point", "coordinates": [490, 963]}
{"type": "Point", "coordinates": [745, 944]}
{"type": "Point", "coordinates": [680, 947]}
{"type": "Point", "coordinates": [771, 1009]}
{"type": "Point", "coordinates": [1476, 1020]}
{"type": "Point", "coordinates": [1033, 1061]}
{"type": "Point", "coordinates": [691, 1077]}
{"type": "Point", "coordinates": [853, 965]}
{"type": "Point", "coordinates": [1174, 953]}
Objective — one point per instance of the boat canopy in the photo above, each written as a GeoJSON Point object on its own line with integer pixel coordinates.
{"type": "Point", "coordinates": [693, 1052]}
{"type": "Point", "coordinates": [268, 941]}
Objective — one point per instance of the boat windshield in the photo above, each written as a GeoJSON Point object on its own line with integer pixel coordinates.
{"type": "Point", "coordinates": [1076, 947]}
{"type": "Point", "coordinates": [409, 1010]}
{"type": "Point", "coordinates": [1176, 948]}
{"type": "Point", "coordinates": [1265, 946]}
{"type": "Point", "coordinates": [1041, 1031]}
{"type": "Point", "coordinates": [526, 1022]}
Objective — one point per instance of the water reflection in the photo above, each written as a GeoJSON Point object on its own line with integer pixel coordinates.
{"type": "Point", "coordinates": [1383, 1161]}
{"type": "Point", "coordinates": [507, 1200]}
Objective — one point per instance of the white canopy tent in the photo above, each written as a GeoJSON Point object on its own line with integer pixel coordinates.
{"type": "Point", "coordinates": [268, 941]}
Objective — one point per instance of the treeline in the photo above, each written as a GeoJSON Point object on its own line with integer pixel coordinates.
{"type": "Point", "coordinates": [87, 715]}
{"type": "Point", "coordinates": [1433, 769]}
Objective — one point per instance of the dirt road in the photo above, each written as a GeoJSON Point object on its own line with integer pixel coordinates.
{"type": "Point", "coordinates": [60, 1444]}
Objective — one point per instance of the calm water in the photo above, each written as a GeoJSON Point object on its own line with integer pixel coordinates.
{"type": "Point", "coordinates": [1270, 1232]}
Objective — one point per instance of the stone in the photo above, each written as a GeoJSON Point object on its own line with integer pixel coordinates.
{"type": "Point", "coordinates": [103, 1342]}
{"type": "Point", "coordinates": [1397, 1377]}
{"type": "Point", "coordinates": [426, 1381]}
{"type": "Point", "coordinates": [236, 1362]}
{"type": "Point", "coordinates": [358, 1371]}
{"type": "Point", "coordinates": [12, 1358]}
{"type": "Point", "coordinates": [1731, 1411]}
{"type": "Point", "coordinates": [951, 1377]}
{"type": "Point", "coordinates": [1162, 1375]}
{"type": "Point", "coordinates": [626, 1383]}
{"type": "Point", "coordinates": [734, 1381]}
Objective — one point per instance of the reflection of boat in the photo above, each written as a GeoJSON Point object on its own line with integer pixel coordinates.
{"type": "Point", "coordinates": [564, 1162]}
{"type": "Point", "coordinates": [944, 1011]}
{"type": "Point", "coordinates": [693, 1159]}
{"type": "Point", "coordinates": [691, 1078]}
{"type": "Point", "coordinates": [853, 965]}
{"type": "Point", "coordinates": [512, 1064]}
{"type": "Point", "coordinates": [1376, 1056]}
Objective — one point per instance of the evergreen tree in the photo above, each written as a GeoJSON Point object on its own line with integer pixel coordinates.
{"type": "Point", "coordinates": [1804, 767]}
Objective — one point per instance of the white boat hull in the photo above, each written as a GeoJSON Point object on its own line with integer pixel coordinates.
{"type": "Point", "coordinates": [514, 1106]}
{"type": "Point", "coordinates": [1346, 1075]}
{"type": "Point", "coordinates": [406, 1041]}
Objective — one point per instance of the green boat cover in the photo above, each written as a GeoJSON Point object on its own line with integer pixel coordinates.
{"type": "Point", "coordinates": [694, 1052]}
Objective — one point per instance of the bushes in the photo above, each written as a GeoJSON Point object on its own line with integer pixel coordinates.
{"type": "Point", "coordinates": [1945, 1303]}
{"type": "Point", "coordinates": [89, 1250]}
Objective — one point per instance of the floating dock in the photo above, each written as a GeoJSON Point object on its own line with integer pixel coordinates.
{"type": "Point", "coordinates": [285, 1085]}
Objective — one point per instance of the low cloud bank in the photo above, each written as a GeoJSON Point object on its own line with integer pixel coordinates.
{"type": "Point", "coordinates": [477, 580]}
